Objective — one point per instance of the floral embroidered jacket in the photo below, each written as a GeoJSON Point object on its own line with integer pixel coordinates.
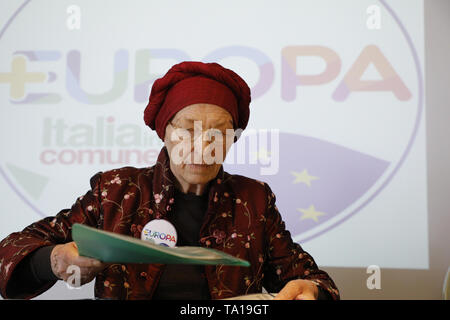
{"type": "Point", "coordinates": [242, 220]}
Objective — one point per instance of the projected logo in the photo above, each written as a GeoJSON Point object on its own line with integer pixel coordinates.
{"type": "Point", "coordinates": [348, 112]}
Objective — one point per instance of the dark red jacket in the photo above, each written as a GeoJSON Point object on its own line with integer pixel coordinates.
{"type": "Point", "coordinates": [242, 220]}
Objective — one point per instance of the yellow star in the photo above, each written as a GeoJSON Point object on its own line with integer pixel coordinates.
{"type": "Point", "coordinates": [303, 177]}
{"type": "Point", "coordinates": [311, 213]}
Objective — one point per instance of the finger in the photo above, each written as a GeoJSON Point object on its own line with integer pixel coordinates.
{"type": "Point", "coordinates": [64, 276]}
{"type": "Point", "coordinates": [93, 270]}
{"type": "Point", "coordinates": [86, 262]}
{"type": "Point", "coordinates": [289, 292]}
{"type": "Point", "coordinates": [83, 276]}
{"type": "Point", "coordinates": [305, 296]}
{"type": "Point", "coordinates": [72, 248]}
{"type": "Point", "coordinates": [68, 269]}
{"type": "Point", "coordinates": [68, 253]}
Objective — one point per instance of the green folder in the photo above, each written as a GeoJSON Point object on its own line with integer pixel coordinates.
{"type": "Point", "coordinates": [117, 248]}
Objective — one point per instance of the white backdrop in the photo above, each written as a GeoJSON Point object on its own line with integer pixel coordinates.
{"type": "Point", "coordinates": [346, 96]}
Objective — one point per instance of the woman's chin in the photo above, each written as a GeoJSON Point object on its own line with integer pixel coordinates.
{"type": "Point", "coordinates": [199, 174]}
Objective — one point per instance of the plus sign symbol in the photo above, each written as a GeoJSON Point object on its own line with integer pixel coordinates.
{"type": "Point", "coordinates": [19, 77]}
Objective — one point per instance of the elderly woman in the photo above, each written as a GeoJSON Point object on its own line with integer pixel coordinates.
{"type": "Point", "coordinates": [207, 206]}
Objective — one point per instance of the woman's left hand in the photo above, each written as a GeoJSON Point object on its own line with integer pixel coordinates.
{"type": "Point", "coordinates": [298, 290]}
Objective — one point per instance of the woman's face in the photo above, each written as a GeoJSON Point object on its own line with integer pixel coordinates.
{"type": "Point", "coordinates": [197, 140]}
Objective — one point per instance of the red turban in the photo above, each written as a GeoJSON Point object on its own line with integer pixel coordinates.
{"type": "Point", "coordinates": [192, 82]}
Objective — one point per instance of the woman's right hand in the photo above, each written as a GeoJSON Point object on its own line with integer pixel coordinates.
{"type": "Point", "coordinates": [65, 255]}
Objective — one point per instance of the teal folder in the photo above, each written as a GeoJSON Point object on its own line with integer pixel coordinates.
{"type": "Point", "coordinates": [117, 248]}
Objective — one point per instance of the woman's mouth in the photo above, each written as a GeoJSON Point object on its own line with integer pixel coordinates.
{"type": "Point", "coordinates": [198, 166]}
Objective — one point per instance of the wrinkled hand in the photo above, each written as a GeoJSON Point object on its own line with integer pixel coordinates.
{"type": "Point", "coordinates": [298, 290]}
{"type": "Point", "coordinates": [65, 255]}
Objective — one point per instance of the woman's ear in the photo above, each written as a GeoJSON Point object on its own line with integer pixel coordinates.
{"type": "Point", "coordinates": [166, 135]}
